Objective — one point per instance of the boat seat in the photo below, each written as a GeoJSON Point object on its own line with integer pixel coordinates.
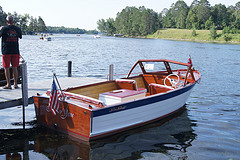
{"type": "Point", "coordinates": [83, 98]}
{"type": "Point", "coordinates": [158, 88]}
{"type": "Point", "coordinates": [86, 99]}
{"type": "Point", "coordinates": [129, 84]}
{"type": "Point", "coordinates": [126, 84]}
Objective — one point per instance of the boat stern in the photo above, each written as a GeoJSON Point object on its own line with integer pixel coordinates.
{"type": "Point", "coordinates": [69, 118]}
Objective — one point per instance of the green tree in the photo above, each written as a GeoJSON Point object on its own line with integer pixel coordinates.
{"type": "Point", "coordinates": [180, 12]}
{"type": "Point", "coordinates": [110, 26]}
{"type": "Point", "coordinates": [149, 21]}
{"type": "Point", "coordinates": [162, 16]}
{"type": "Point", "coordinates": [3, 16]}
{"type": "Point", "coordinates": [237, 15]}
{"type": "Point", "coordinates": [209, 23]}
{"type": "Point", "coordinates": [16, 18]}
{"type": "Point", "coordinates": [102, 26]}
{"type": "Point", "coordinates": [123, 21]}
{"type": "Point", "coordinates": [231, 16]}
{"type": "Point", "coordinates": [213, 32]}
{"type": "Point", "coordinates": [234, 31]}
{"type": "Point", "coordinates": [69, 30]}
{"type": "Point", "coordinates": [23, 23]}
{"type": "Point", "coordinates": [227, 37]}
{"type": "Point", "coordinates": [194, 33]}
{"type": "Point", "coordinates": [41, 25]}
{"type": "Point", "coordinates": [27, 23]}
{"type": "Point", "coordinates": [226, 30]}
{"type": "Point", "coordinates": [198, 14]}
{"type": "Point", "coordinates": [203, 12]}
{"type": "Point", "coordinates": [220, 16]}
{"type": "Point", "coordinates": [92, 32]}
{"type": "Point", "coordinates": [160, 20]}
{"type": "Point", "coordinates": [192, 19]}
{"type": "Point", "coordinates": [134, 21]}
{"type": "Point", "coordinates": [168, 20]}
{"type": "Point", "coordinates": [32, 27]}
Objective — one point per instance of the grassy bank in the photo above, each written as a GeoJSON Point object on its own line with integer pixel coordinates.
{"type": "Point", "coordinates": [201, 36]}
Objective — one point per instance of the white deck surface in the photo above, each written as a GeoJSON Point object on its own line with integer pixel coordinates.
{"type": "Point", "coordinates": [10, 98]}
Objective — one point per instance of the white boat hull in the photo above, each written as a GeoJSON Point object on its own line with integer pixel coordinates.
{"type": "Point", "coordinates": [134, 114]}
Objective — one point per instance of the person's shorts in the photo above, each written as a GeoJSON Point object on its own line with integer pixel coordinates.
{"type": "Point", "coordinates": [10, 58]}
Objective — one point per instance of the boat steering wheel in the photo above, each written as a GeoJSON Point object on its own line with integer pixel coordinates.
{"type": "Point", "coordinates": [172, 81]}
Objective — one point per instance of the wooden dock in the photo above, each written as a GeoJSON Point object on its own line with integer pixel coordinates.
{"type": "Point", "coordinates": [11, 98]}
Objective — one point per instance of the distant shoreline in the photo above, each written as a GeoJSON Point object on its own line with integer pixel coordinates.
{"type": "Point", "coordinates": [199, 41]}
{"type": "Point", "coordinates": [186, 35]}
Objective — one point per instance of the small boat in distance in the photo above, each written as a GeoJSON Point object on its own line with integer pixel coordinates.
{"type": "Point", "coordinates": [101, 109]}
{"type": "Point", "coordinates": [45, 37]}
{"type": "Point", "coordinates": [97, 36]}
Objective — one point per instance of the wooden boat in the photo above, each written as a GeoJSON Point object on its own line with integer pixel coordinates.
{"type": "Point", "coordinates": [102, 109]}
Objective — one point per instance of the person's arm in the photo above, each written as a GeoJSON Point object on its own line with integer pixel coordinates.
{"type": "Point", "coordinates": [20, 33]}
{"type": "Point", "coordinates": [1, 31]}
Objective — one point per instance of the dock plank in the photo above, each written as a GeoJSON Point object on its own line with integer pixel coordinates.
{"type": "Point", "coordinates": [13, 97]}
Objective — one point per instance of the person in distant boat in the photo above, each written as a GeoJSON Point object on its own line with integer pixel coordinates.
{"type": "Point", "coordinates": [10, 50]}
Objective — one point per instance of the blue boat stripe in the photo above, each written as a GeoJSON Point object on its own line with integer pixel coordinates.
{"type": "Point", "coordinates": [91, 122]}
{"type": "Point", "coordinates": [140, 103]}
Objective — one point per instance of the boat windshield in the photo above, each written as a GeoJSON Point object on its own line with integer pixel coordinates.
{"type": "Point", "coordinates": [154, 66]}
{"type": "Point", "coordinates": [177, 66]}
{"type": "Point", "coordinates": [159, 65]}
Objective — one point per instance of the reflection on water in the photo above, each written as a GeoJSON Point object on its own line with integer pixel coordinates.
{"type": "Point", "coordinates": [163, 137]}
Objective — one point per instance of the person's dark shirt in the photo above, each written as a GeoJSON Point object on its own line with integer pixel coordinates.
{"type": "Point", "coordinates": [10, 35]}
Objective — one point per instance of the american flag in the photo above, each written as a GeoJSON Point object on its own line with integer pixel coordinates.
{"type": "Point", "coordinates": [189, 60]}
{"type": "Point", "coordinates": [54, 97]}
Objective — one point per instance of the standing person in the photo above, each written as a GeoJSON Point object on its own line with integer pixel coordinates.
{"type": "Point", "coordinates": [10, 50]}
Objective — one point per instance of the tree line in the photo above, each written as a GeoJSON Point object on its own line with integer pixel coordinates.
{"type": "Point", "coordinates": [65, 30]}
{"type": "Point", "coordinates": [31, 25]}
{"type": "Point", "coordinates": [200, 14]}
{"type": "Point", "coordinates": [27, 23]}
{"type": "Point", "coordinates": [131, 21]}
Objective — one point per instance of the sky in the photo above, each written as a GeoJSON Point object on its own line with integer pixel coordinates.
{"type": "Point", "coordinates": [84, 14]}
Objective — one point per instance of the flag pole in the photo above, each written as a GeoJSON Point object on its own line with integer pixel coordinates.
{"type": "Point", "coordinates": [54, 75]}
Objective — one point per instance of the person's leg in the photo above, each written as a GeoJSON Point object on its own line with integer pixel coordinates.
{"type": "Point", "coordinates": [7, 75]}
{"type": "Point", "coordinates": [15, 64]}
{"type": "Point", "coordinates": [15, 77]}
{"type": "Point", "coordinates": [6, 65]}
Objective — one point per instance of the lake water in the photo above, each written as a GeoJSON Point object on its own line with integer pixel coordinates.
{"type": "Point", "coordinates": [208, 128]}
